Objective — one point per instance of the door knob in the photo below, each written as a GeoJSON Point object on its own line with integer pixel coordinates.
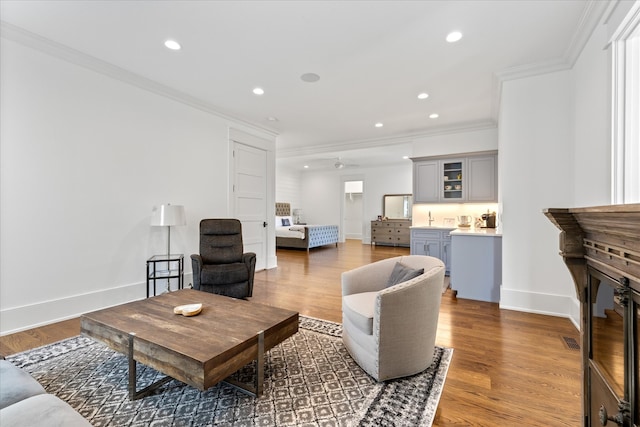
{"type": "Point", "coordinates": [605, 417]}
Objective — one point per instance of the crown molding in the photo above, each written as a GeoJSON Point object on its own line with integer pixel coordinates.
{"type": "Point", "coordinates": [592, 15]}
{"type": "Point", "coordinates": [593, 12]}
{"type": "Point", "coordinates": [385, 142]}
{"type": "Point", "coordinates": [26, 38]}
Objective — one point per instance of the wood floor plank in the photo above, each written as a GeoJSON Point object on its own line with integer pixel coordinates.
{"type": "Point", "coordinates": [509, 368]}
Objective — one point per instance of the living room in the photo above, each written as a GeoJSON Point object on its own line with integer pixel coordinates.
{"type": "Point", "coordinates": [88, 149]}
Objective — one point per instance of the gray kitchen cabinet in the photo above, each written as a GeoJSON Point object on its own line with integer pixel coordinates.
{"type": "Point", "coordinates": [434, 242]}
{"type": "Point", "coordinates": [482, 179]}
{"type": "Point", "coordinates": [426, 175]}
{"type": "Point", "coordinates": [476, 268]}
{"type": "Point", "coordinates": [468, 178]}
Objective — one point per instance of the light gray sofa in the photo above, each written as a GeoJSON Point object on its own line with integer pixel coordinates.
{"type": "Point", "coordinates": [24, 402]}
{"type": "Point", "coordinates": [390, 331]}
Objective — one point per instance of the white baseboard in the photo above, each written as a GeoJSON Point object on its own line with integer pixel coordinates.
{"type": "Point", "coordinates": [18, 319]}
{"type": "Point", "coordinates": [538, 303]}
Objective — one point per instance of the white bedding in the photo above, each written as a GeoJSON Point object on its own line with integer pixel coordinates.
{"type": "Point", "coordinates": [295, 231]}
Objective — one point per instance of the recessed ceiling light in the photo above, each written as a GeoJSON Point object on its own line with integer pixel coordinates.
{"type": "Point", "coordinates": [423, 95]}
{"type": "Point", "coordinates": [306, 166]}
{"type": "Point", "coordinates": [310, 77]}
{"type": "Point", "coordinates": [172, 44]}
{"type": "Point", "coordinates": [434, 116]}
{"type": "Point", "coordinates": [272, 119]}
{"type": "Point", "coordinates": [379, 125]}
{"type": "Point", "coordinates": [258, 91]}
{"type": "Point", "coordinates": [454, 36]}
{"type": "Point", "coordinates": [405, 157]}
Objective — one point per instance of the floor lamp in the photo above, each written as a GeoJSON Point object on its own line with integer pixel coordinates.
{"type": "Point", "coordinates": [166, 216]}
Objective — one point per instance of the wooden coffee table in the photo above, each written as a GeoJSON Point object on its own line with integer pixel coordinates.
{"type": "Point", "coordinates": [202, 350]}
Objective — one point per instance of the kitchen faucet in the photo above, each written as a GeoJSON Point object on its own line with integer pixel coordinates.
{"type": "Point", "coordinates": [430, 219]}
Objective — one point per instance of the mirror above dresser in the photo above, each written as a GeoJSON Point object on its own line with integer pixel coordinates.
{"type": "Point", "coordinates": [393, 227]}
{"type": "Point", "coordinates": [397, 206]}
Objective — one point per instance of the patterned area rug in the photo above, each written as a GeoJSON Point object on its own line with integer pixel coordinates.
{"type": "Point", "coordinates": [310, 380]}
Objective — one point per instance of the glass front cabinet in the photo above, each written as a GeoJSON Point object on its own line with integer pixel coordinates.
{"type": "Point", "coordinates": [452, 183]}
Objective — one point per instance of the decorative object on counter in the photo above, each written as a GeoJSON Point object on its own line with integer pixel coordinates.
{"type": "Point", "coordinates": [379, 217]}
{"type": "Point", "coordinates": [464, 221]}
{"type": "Point", "coordinates": [449, 222]}
{"type": "Point", "coordinates": [479, 223]}
{"type": "Point", "coordinates": [489, 219]}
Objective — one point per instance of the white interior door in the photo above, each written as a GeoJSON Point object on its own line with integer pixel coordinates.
{"type": "Point", "coordinates": [250, 199]}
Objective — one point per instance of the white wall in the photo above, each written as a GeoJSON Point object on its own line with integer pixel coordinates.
{"type": "Point", "coordinates": [555, 151]}
{"type": "Point", "coordinates": [288, 187]}
{"type": "Point", "coordinates": [537, 172]}
{"type": "Point", "coordinates": [592, 148]}
{"type": "Point", "coordinates": [84, 158]}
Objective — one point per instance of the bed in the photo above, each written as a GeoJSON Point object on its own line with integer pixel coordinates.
{"type": "Point", "coordinates": [290, 235]}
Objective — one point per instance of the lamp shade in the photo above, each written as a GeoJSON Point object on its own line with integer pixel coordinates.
{"type": "Point", "coordinates": [168, 215]}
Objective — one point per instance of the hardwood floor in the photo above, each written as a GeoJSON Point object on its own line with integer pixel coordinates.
{"type": "Point", "coordinates": [508, 369]}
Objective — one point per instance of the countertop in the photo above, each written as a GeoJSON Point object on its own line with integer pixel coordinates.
{"type": "Point", "coordinates": [471, 231]}
{"type": "Point", "coordinates": [490, 232]}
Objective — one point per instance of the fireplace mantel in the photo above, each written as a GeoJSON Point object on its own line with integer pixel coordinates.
{"type": "Point", "coordinates": [601, 248]}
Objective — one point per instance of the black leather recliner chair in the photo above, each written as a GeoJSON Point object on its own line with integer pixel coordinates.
{"type": "Point", "coordinates": [222, 267]}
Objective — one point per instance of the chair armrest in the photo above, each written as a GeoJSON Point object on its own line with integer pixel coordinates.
{"type": "Point", "coordinates": [249, 260]}
{"type": "Point", "coordinates": [196, 266]}
{"type": "Point", "coordinates": [420, 296]}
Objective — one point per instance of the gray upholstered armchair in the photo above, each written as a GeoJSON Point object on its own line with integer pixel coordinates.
{"type": "Point", "coordinates": [222, 267]}
{"type": "Point", "coordinates": [390, 331]}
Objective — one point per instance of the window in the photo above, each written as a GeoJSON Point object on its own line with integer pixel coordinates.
{"type": "Point", "coordinates": [626, 109]}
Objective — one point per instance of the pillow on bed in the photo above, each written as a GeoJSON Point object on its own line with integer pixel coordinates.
{"type": "Point", "coordinates": [281, 221]}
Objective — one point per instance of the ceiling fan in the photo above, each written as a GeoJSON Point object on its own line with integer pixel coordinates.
{"type": "Point", "coordinates": [336, 162]}
{"type": "Point", "coordinates": [339, 164]}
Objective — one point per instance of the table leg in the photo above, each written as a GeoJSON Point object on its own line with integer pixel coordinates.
{"type": "Point", "coordinates": [134, 394]}
{"type": "Point", "coordinates": [257, 388]}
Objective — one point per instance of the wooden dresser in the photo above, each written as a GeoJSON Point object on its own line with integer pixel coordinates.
{"type": "Point", "coordinates": [601, 248]}
{"type": "Point", "coordinates": [391, 232]}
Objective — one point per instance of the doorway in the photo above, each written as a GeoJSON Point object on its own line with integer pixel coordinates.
{"type": "Point", "coordinates": [353, 206]}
